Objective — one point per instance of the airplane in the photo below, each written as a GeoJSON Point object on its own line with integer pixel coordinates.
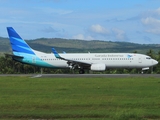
{"type": "Point", "coordinates": [23, 53]}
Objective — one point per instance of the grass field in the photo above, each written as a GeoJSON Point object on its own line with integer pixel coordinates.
{"type": "Point", "coordinates": [80, 98]}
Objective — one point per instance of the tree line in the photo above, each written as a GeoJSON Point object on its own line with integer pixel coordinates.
{"type": "Point", "coordinates": [9, 66]}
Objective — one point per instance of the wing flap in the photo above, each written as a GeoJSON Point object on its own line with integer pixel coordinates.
{"type": "Point", "coordinates": [71, 62]}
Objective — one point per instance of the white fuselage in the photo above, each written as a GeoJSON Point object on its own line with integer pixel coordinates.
{"type": "Point", "coordinates": [111, 60]}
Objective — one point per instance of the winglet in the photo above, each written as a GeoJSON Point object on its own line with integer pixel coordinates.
{"type": "Point", "coordinates": [56, 54]}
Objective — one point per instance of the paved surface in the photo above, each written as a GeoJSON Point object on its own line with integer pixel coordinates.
{"type": "Point", "coordinates": [99, 75]}
{"type": "Point", "coordinates": [84, 75]}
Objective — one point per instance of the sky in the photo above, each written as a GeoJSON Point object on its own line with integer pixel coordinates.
{"type": "Point", "coordinates": [136, 21]}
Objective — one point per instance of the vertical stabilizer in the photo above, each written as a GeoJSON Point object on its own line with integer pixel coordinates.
{"type": "Point", "coordinates": [17, 43]}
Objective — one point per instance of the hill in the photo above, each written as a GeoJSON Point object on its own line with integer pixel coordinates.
{"type": "Point", "coordinates": [75, 46]}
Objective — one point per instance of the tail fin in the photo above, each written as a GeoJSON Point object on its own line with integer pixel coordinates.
{"type": "Point", "coordinates": [17, 43]}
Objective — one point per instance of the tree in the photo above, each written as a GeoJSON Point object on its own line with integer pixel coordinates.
{"type": "Point", "coordinates": [151, 53]}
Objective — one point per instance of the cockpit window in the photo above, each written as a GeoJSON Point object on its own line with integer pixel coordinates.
{"type": "Point", "coordinates": [148, 58]}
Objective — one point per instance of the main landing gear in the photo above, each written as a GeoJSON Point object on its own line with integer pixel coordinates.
{"type": "Point", "coordinates": [81, 71]}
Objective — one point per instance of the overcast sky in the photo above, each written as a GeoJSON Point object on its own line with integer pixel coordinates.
{"type": "Point", "coordinates": [136, 21]}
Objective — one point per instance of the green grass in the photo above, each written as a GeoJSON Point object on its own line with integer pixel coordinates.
{"type": "Point", "coordinates": [79, 98]}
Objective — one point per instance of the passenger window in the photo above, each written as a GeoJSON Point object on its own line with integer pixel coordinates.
{"type": "Point", "coordinates": [148, 58]}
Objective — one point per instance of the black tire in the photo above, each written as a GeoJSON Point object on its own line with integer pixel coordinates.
{"type": "Point", "coordinates": [81, 71]}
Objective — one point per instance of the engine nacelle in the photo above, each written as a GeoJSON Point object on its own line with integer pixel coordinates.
{"type": "Point", "coordinates": [98, 67]}
{"type": "Point", "coordinates": [147, 68]}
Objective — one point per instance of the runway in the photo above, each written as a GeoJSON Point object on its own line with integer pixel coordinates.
{"type": "Point", "coordinates": [98, 75]}
{"type": "Point", "coordinates": [83, 75]}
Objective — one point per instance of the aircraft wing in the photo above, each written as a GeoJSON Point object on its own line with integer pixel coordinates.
{"type": "Point", "coordinates": [72, 63]}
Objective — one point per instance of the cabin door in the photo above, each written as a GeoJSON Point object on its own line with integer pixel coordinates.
{"type": "Point", "coordinates": [33, 59]}
{"type": "Point", "coordinates": [140, 60]}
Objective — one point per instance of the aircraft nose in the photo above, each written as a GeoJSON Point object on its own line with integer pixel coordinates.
{"type": "Point", "coordinates": [155, 62]}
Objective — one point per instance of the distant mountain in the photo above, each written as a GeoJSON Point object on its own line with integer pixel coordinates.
{"type": "Point", "coordinates": [75, 46]}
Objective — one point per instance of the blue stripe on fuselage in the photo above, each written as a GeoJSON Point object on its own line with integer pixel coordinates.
{"type": "Point", "coordinates": [33, 60]}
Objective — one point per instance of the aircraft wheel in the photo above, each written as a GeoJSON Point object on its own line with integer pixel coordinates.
{"type": "Point", "coordinates": [142, 72]}
{"type": "Point", "coordinates": [81, 71]}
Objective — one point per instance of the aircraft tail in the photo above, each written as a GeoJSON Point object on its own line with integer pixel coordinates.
{"type": "Point", "coordinates": [17, 43]}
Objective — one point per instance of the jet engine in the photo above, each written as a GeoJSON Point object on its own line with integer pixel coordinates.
{"type": "Point", "coordinates": [98, 67]}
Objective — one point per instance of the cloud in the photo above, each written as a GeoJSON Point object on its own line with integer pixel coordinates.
{"type": "Point", "coordinates": [99, 29]}
{"type": "Point", "coordinates": [157, 11]}
{"type": "Point", "coordinates": [119, 34]}
{"type": "Point", "coordinates": [151, 13]}
{"type": "Point", "coordinates": [135, 18]}
{"type": "Point", "coordinates": [82, 37]}
{"type": "Point", "coordinates": [154, 31]}
{"type": "Point", "coordinates": [151, 21]}
{"type": "Point", "coordinates": [152, 24]}
{"type": "Point", "coordinates": [99, 32]}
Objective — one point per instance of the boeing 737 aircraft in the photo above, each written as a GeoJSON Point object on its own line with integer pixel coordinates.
{"type": "Point", "coordinates": [22, 52]}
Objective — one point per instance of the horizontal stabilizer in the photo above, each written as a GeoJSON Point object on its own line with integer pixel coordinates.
{"type": "Point", "coordinates": [13, 56]}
